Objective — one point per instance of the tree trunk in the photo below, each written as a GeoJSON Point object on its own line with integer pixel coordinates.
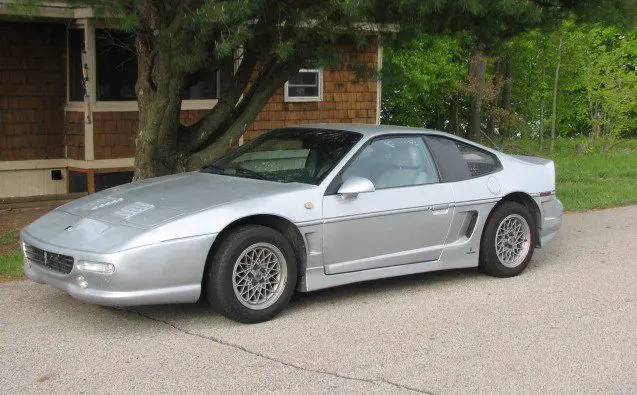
{"type": "Point", "coordinates": [440, 120]}
{"type": "Point", "coordinates": [455, 110]}
{"type": "Point", "coordinates": [496, 82]}
{"type": "Point", "coordinates": [159, 98]}
{"type": "Point", "coordinates": [272, 75]}
{"type": "Point", "coordinates": [477, 72]}
{"type": "Point", "coordinates": [555, 89]}
{"type": "Point", "coordinates": [506, 93]}
{"type": "Point", "coordinates": [542, 98]}
{"type": "Point", "coordinates": [593, 123]}
{"type": "Point", "coordinates": [541, 125]}
{"type": "Point", "coordinates": [165, 146]}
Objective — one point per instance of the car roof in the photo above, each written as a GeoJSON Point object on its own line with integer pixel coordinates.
{"type": "Point", "coordinates": [369, 130]}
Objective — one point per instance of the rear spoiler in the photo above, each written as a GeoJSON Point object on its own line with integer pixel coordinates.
{"type": "Point", "coordinates": [534, 160]}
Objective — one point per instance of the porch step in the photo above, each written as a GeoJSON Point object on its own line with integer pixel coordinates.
{"type": "Point", "coordinates": [38, 201]}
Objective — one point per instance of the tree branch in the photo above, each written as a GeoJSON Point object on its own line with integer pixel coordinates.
{"type": "Point", "coordinates": [259, 93]}
{"type": "Point", "coordinates": [194, 137]}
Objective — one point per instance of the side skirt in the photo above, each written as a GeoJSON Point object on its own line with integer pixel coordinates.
{"type": "Point", "coordinates": [461, 252]}
{"type": "Point", "coordinates": [454, 258]}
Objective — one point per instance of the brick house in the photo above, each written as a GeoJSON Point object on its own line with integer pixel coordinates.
{"type": "Point", "coordinates": [59, 134]}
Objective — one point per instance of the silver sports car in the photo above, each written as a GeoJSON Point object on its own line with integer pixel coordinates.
{"type": "Point", "coordinates": [303, 208]}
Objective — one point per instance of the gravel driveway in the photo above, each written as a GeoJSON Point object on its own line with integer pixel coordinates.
{"type": "Point", "coordinates": [567, 324]}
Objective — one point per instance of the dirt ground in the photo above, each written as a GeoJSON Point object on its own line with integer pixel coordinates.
{"type": "Point", "coordinates": [12, 220]}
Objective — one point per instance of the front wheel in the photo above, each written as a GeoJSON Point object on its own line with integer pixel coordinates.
{"type": "Point", "coordinates": [508, 241]}
{"type": "Point", "coordinates": [252, 274]}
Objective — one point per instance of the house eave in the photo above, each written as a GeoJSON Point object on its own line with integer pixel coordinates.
{"type": "Point", "coordinates": [50, 10]}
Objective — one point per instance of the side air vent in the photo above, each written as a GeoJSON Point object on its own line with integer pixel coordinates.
{"type": "Point", "coordinates": [470, 223]}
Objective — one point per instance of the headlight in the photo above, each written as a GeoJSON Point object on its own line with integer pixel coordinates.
{"type": "Point", "coordinates": [24, 255]}
{"type": "Point", "coordinates": [96, 267]}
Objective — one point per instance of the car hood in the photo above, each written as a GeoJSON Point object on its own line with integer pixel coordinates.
{"type": "Point", "coordinates": [152, 202]}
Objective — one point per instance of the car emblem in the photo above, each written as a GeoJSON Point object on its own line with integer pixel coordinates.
{"type": "Point", "coordinates": [46, 257]}
{"type": "Point", "coordinates": [103, 202]}
{"type": "Point", "coordinates": [133, 209]}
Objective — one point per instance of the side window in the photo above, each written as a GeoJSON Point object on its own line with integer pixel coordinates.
{"type": "Point", "coordinates": [457, 161]}
{"type": "Point", "coordinates": [394, 162]}
{"type": "Point", "coordinates": [480, 162]}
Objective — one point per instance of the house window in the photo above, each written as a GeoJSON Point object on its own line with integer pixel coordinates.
{"type": "Point", "coordinates": [78, 181]}
{"type": "Point", "coordinates": [116, 59]}
{"type": "Point", "coordinates": [75, 43]}
{"type": "Point", "coordinates": [212, 86]}
{"type": "Point", "coordinates": [111, 179]}
{"type": "Point", "coordinates": [207, 88]}
{"type": "Point", "coordinates": [306, 85]}
{"type": "Point", "coordinates": [116, 65]}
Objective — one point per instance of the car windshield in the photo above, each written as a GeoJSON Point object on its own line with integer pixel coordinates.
{"type": "Point", "coordinates": [287, 155]}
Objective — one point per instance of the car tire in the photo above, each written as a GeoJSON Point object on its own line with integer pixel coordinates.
{"type": "Point", "coordinates": [242, 282]}
{"type": "Point", "coordinates": [508, 240]}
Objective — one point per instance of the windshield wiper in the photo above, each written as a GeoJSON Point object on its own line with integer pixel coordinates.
{"type": "Point", "coordinates": [232, 171]}
{"type": "Point", "coordinates": [252, 173]}
{"type": "Point", "coordinates": [213, 169]}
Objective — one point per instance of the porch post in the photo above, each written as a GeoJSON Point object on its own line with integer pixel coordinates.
{"type": "Point", "coordinates": [91, 88]}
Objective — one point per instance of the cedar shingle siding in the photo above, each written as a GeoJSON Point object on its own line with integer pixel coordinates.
{"type": "Point", "coordinates": [32, 90]}
{"type": "Point", "coordinates": [114, 134]}
{"type": "Point", "coordinates": [74, 135]}
{"type": "Point", "coordinates": [346, 98]}
{"type": "Point", "coordinates": [34, 124]}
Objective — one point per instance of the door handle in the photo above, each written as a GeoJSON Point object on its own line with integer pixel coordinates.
{"type": "Point", "coordinates": [439, 209]}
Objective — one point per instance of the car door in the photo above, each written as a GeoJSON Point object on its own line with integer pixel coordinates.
{"type": "Point", "coordinates": [404, 220]}
{"type": "Point", "coordinates": [473, 171]}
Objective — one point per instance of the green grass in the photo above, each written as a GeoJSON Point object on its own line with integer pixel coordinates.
{"type": "Point", "coordinates": [589, 176]}
{"type": "Point", "coordinates": [597, 181]}
{"type": "Point", "coordinates": [11, 265]}
{"type": "Point", "coordinates": [8, 237]}
{"type": "Point", "coordinates": [11, 261]}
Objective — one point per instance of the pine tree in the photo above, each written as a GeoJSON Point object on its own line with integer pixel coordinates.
{"type": "Point", "coordinates": [180, 41]}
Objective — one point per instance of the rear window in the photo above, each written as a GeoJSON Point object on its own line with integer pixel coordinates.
{"type": "Point", "coordinates": [458, 161]}
{"type": "Point", "coordinates": [480, 162]}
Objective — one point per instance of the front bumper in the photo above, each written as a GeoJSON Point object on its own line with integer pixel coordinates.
{"type": "Point", "coordinates": [167, 272]}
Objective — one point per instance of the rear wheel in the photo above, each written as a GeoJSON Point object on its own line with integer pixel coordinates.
{"type": "Point", "coordinates": [252, 274]}
{"type": "Point", "coordinates": [508, 241]}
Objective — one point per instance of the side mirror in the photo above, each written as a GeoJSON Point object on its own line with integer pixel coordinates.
{"type": "Point", "coordinates": [355, 185]}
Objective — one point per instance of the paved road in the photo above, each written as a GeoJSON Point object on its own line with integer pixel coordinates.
{"type": "Point", "coordinates": [567, 324]}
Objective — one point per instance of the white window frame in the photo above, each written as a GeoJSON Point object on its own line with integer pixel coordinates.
{"type": "Point", "coordinates": [74, 104]}
{"type": "Point", "coordinates": [89, 26]}
{"type": "Point", "coordinates": [304, 99]}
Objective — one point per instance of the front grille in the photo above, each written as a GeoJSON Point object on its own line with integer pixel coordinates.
{"type": "Point", "coordinates": [50, 260]}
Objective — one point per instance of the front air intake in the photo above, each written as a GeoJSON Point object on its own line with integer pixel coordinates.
{"type": "Point", "coordinates": [50, 260]}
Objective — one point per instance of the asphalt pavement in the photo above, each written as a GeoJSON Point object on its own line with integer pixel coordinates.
{"type": "Point", "coordinates": [567, 324]}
